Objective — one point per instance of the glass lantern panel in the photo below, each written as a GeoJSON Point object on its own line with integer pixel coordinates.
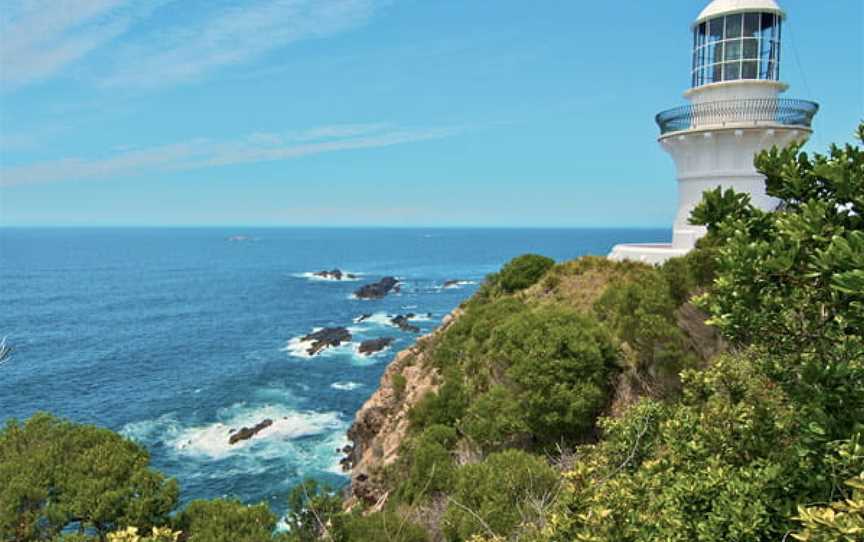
{"type": "Point", "coordinates": [751, 25]}
{"type": "Point", "coordinates": [701, 34]}
{"type": "Point", "coordinates": [769, 30]}
{"type": "Point", "coordinates": [717, 73]}
{"type": "Point", "coordinates": [731, 71]}
{"type": "Point", "coordinates": [733, 50]}
{"type": "Point", "coordinates": [715, 29]}
{"type": "Point", "coordinates": [748, 70]}
{"type": "Point", "coordinates": [751, 48]}
{"type": "Point", "coordinates": [733, 26]}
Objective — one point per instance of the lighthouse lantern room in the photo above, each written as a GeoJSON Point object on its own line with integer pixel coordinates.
{"type": "Point", "coordinates": [735, 111]}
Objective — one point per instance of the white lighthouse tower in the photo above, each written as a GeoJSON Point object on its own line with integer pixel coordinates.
{"type": "Point", "coordinates": [735, 111]}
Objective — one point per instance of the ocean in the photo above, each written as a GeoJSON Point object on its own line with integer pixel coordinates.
{"type": "Point", "coordinates": [176, 337]}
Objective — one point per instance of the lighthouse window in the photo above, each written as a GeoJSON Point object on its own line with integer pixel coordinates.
{"type": "Point", "coordinates": [751, 49]}
{"type": "Point", "coordinates": [715, 29]}
{"type": "Point", "coordinates": [769, 28]}
{"type": "Point", "coordinates": [733, 50]}
{"type": "Point", "coordinates": [740, 46]}
{"type": "Point", "coordinates": [751, 25]}
{"type": "Point", "coordinates": [733, 26]}
{"type": "Point", "coordinates": [732, 71]}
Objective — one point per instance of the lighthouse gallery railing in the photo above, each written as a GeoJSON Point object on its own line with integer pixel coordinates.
{"type": "Point", "coordinates": [754, 111]}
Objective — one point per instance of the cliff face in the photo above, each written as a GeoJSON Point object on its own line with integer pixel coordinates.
{"type": "Point", "coordinates": [381, 425]}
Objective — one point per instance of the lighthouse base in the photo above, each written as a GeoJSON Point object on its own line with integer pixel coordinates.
{"type": "Point", "coordinates": [650, 253]}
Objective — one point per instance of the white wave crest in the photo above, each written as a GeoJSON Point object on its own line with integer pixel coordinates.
{"type": "Point", "coordinates": [458, 284]}
{"type": "Point", "coordinates": [311, 275]}
{"type": "Point", "coordinates": [212, 440]}
{"type": "Point", "coordinates": [346, 386]}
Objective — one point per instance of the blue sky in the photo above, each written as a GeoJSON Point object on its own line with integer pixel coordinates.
{"type": "Point", "coordinates": [368, 112]}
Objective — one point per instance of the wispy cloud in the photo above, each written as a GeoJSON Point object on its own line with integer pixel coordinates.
{"type": "Point", "coordinates": [39, 38]}
{"type": "Point", "coordinates": [232, 35]}
{"type": "Point", "coordinates": [205, 153]}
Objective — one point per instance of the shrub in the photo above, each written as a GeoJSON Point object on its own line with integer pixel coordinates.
{"type": "Point", "coordinates": [640, 312]}
{"type": "Point", "coordinates": [428, 463]}
{"type": "Point", "coordinates": [444, 407]}
{"type": "Point", "coordinates": [522, 272]}
{"type": "Point", "coordinates": [495, 420]}
{"type": "Point", "coordinates": [226, 520]}
{"type": "Point", "coordinates": [560, 364]}
{"type": "Point", "coordinates": [56, 472]}
{"type": "Point", "coordinates": [498, 494]}
{"type": "Point", "coordinates": [311, 507]}
{"type": "Point", "coordinates": [385, 526]}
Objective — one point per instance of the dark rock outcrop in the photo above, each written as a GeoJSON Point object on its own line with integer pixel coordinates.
{"type": "Point", "coordinates": [326, 338]}
{"type": "Point", "coordinates": [362, 318]}
{"type": "Point", "coordinates": [246, 433]}
{"type": "Point", "coordinates": [452, 283]}
{"type": "Point", "coordinates": [367, 348]}
{"type": "Point", "coordinates": [379, 289]}
{"type": "Point", "coordinates": [334, 274]}
{"type": "Point", "coordinates": [403, 322]}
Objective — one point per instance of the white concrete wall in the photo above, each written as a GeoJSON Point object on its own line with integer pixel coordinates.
{"type": "Point", "coordinates": [706, 159]}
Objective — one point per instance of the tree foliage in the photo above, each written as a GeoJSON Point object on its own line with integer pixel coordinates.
{"type": "Point", "coordinates": [57, 475]}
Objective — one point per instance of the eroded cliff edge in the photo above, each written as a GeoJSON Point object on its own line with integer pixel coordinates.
{"type": "Point", "coordinates": [381, 424]}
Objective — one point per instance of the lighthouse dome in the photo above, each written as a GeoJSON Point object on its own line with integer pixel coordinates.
{"type": "Point", "coordinates": [724, 7]}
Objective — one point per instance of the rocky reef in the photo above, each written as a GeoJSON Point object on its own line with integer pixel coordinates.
{"type": "Point", "coordinates": [378, 290]}
{"type": "Point", "coordinates": [326, 338]}
{"type": "Point", "coordinates": [246, 433]}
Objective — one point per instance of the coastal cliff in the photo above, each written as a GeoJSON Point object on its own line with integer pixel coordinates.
{"type": "Point", "coordinates": [381, 425]}
{"type": "Point", "coordinates": [382, 428]}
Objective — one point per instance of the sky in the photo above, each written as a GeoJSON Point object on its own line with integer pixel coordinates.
{"type": "Point", "coordinates": [499, 113]}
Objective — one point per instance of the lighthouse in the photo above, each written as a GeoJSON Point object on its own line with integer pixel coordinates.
{"type": "Point", "coordinates": [736, 110]}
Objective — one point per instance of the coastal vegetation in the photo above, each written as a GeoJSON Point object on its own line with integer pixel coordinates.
{"type": "Point", "coordinates": [718, 397]}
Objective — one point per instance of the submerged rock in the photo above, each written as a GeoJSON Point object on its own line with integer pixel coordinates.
{"type": "Point", "coordinates": [362, 318]}
{"type": "Point", "coordinates": [246, 433]}
{"type": "Point", "coordinates": [326, 338]}
{"type": "Point", "coordinates": [403, 322]}
{"type": "Point", "coordinates": [379, 289]}
{"type": "Point", "coordinates": [367, 348]}
{"type": "Point", "coordinates": [335, 274]}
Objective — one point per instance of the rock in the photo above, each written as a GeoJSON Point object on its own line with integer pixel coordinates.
{"type": "Point", "coordinates": [452, 283]}
{"type": "Point", "coordinates": [334, 274]}
{"type": "Point", "coordinates": [379, 289]}
{"type": "Point", "coordinates": [246, 433]}
{"type": "Point", "coordinates": [367, 348]}
{"type": "Point", "coordinates": [362, 318]}
{"type": "Point", "coordinates": [403, 322]}
{"type": "Point", "coordinates": [325, 338]}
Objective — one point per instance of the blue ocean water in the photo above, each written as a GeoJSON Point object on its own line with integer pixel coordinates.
{"type": "Point", "coordinates": [176, 336]}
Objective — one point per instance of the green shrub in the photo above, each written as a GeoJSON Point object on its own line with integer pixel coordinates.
{"type": "Point", "coordinates": [640, 313]}
{"type": "Point", "coordinates": [522, 272]}
{"type": "Point", "coordinates": [560, 363]}
{"type": "Point", "coordinates": [444, 407]}
{"type": "Point", "coordinates": [495, 420]}
{"type": "Point", "coordinates": [226, 520]}
{"type": "Point", "coordinates": [386, 526]}
{"type": "Point", "coordinates": [499, 491]}
{"type": "Point", "coordinates": [679, 278]}
{"type": "Point", "coordinates": [311, 506]}
{"type": "Point", "coordinates": [727, 463]}
{"type": "Point", "coordinates": [427, 462]}
{"type": "Point", "coordinates": [54, 473]}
